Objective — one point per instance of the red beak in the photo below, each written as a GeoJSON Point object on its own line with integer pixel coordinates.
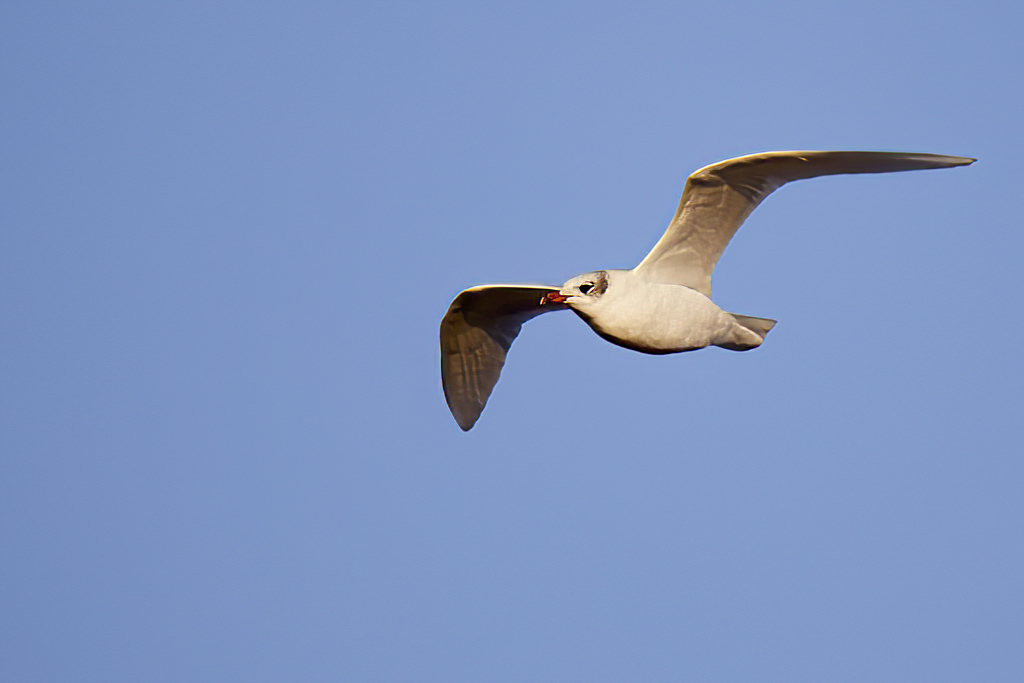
{"type": "Point", "coordinates": [553, 298]}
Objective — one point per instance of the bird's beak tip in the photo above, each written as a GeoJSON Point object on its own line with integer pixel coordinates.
{"type": "Point", "coordinates": [553, 298]}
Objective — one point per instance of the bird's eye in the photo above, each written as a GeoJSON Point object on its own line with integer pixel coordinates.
{"type": "Point", "coordinates": [586, 287]}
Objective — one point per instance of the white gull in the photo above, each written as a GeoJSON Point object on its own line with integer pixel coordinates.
{"type": "Point", "coordinates": [664, 304]}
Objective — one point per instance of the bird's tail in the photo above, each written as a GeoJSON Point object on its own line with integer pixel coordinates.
{"type": "Point", "coordinates": [759, 326]}
{"type": "Point", "coordinates": [751, 334]}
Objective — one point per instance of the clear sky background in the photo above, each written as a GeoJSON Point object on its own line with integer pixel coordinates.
{"type": "Point", "coordinates": [229, 233]}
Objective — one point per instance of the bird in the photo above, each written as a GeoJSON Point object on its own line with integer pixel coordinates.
{"type": "Point", "coordinates": [664, 304]}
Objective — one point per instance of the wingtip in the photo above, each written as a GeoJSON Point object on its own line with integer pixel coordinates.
{"type": "Point", "coordinates": [465, 419]}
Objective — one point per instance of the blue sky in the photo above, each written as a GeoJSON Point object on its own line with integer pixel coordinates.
{"type": "Point", "coordinates": [230, 232]}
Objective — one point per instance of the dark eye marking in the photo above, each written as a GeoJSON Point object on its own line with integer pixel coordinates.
{"type": "Point", "coordinates": [586, 287]}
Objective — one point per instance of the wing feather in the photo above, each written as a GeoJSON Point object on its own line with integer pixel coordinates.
{"type": "Point", "coordinates": [476, 334]}
{"type": "Point", "coordinates": [718, 198]}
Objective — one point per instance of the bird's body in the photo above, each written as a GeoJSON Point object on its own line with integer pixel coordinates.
{"type": "Point", "coordinates": [663, 305]}
{"type": "Point", "coordinates": [654, 317]}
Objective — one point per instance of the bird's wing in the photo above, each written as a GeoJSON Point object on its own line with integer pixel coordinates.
{"type": "Point", "coordinates": [718, 198]}
{"type": "Point", "coordinates": [476, 333]}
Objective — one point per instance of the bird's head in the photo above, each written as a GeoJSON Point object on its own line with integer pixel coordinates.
{"type": "Point", "coordinates": [582, 291]}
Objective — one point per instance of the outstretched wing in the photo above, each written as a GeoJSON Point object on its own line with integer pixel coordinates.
{"type": "Point", "coordinates": [718, 198]}
{"type": "Point", "coordinates": [476, 333]}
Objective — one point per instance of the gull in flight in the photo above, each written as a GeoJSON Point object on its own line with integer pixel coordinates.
{"type": "Point", "coordinates": [664, 304]}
